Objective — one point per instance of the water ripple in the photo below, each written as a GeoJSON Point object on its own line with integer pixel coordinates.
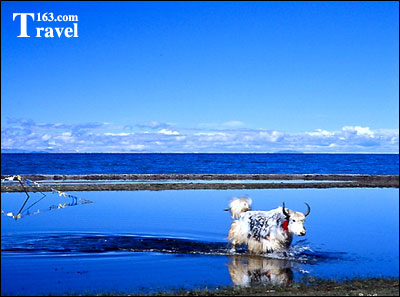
{"type": "Point", "coordinates": [95, 243]}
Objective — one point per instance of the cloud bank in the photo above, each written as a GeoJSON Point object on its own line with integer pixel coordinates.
{"type": "Point", "coordinates": [27, 135]}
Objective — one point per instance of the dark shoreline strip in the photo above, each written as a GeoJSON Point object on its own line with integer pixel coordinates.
{"type": "Point", "coordinates": [341, 181]}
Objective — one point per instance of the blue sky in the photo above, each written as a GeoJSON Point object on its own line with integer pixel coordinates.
{"type": "Point", "coordinates": [203, 77]}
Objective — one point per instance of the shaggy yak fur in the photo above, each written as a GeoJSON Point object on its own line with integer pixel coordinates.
{"type": "Point", "coordinates": [264, 231]}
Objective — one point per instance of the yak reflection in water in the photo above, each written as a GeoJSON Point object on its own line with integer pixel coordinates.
{"type": "Point", "coordinates": [249, 271]}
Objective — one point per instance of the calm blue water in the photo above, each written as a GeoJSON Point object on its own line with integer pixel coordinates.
{"type": "Point", "coordinates": [199, 163]}
{"type": "Point", "coordinates": [150, 240]}
{"type": "Point", "coordinates": [146, 240]}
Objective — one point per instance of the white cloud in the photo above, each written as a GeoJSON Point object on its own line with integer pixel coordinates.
{"type": "Point", "coordinates": [320, 132]}
{"type": "Point", "coordinates": [100, 137]}
{"type": "Point", "coordinates": [116, 134]}
{"type": "Point", "coordinates": [168, 132]}
{"type": "Point", "coordinates": [358, 130]}
{"type": "Point", "coordinates": [66, 137]}
{"type": "Point", "coordinates": [210, 134]}
{"type": "Point", "coordinates": [272, 136]}
{"type": "Point", "coordinates": [135, 147]}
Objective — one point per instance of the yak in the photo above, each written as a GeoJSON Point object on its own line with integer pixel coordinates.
{"type": "Point", "coordinates": [264, 231]}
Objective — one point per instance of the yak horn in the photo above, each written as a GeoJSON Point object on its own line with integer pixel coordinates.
{"type": "Point", "coordinates": [284, 211]}
{"type": "Point", "coordinates": [308, 210]}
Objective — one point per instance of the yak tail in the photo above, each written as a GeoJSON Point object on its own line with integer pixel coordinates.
{"type": "Point", "coordinates": [239, 205]}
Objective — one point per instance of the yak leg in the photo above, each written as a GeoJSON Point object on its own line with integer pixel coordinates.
{"type": "Point", "coordinates": [235, 236]}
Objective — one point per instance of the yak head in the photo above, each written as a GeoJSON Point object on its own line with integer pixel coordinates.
{"type": "Point", "coordinates": [295, 220]}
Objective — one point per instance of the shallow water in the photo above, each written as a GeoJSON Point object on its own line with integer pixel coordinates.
{"type": "Point", "coordinates": [150, 240]}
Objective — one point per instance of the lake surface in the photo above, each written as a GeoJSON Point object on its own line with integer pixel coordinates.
{"type": "Point", "coordinates": [150, 240]}
{"type": "Point", "coordinates": [199, 163]}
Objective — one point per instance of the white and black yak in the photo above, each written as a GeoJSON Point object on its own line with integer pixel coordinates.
{"type": "Point", "coordinates": [264, 231]}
